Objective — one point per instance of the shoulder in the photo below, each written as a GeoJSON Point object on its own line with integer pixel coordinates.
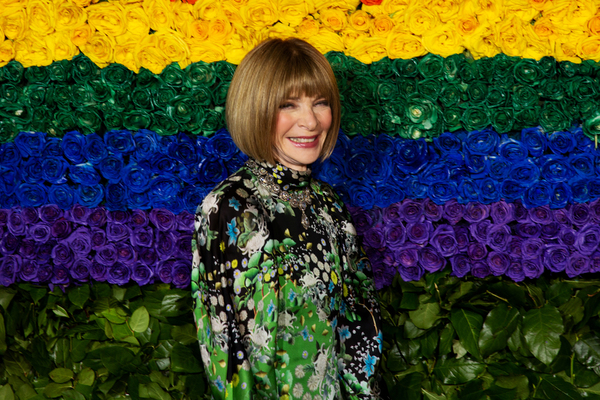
{"type": "Point", "coordinates": [230, 193]}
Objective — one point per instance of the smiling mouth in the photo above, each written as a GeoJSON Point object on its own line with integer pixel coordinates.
{"type": "Point", "coordinates": [304, 140]}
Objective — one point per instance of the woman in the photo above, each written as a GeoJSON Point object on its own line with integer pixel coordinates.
{"type": "Point", "coordinates": [285, 304]}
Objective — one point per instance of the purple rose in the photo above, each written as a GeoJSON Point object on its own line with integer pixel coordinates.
{"type": "Point", "coordinates": [588, 239]}
{"type": "Point", "coordinates": [381, 275]}
{"type": "Point", "coordinates": [443, 241]}
{"type": "Point", "coordinates": [567, 237]}
{"type": "Point", "coordinates": [80, 270]}
{"type": "Point", "coordinates": [16, 224]}
{"type": "Point", "coordinates": [4, 217]}
{"type": "Point", "coordinates": [97, 217]}
{"type": "Point", "coordinates": [45, 251]}
{"type": "Point", "coordinates": [412, 210]}
{"type": "Point", "coordinates": [498, 262]}
{"type": "Point", "coordinates": [107, 254]}
{"type": "Point", "coordinates": [430, 259]}
{"type": "Point", "coordinates": [139, 219]}
{"type": "Point", "coordinates": [29, 271]}
{"type": "Point", "coordinates": [578, 264]}
{"type": "Point", "coordinates": [126, 253]}
{"type": "Point", "coordinates": [528, 230]}
{"type": "Point", "coordinates": [9, 243]}
{"type": "Point", "coordinates": [461, 265]}
{"type": "Point", "coordinates": [60, 275]}
{"type": "Point", "coordinates": [184, 247]}
{"type": "Point", "coordinates": [80, 241]}
{"type": "Point", "coordinates": [550, 231]}
{"type": "Point", "coordinates": [419, 232]}
{"type": "Point", "coordinates": [463, 238]}
{"type": "Point", "coordinates": [595, 210]}
{"type": "Point", "coordinates": [432, 211]}
{"type": "Point", "coordinates": [580, 214]}
{"type": "Point", "coordinates": [363, 219]}
{"type": "Point", "coordinates": [541, 215]}
{"type": "Point", "coordinates": [532, 248]}
{"type": "Point", "coordinates": [165, 243]}
{"type": "Point", "coordinates": [9, 269]}
{"type": "Point", "coordinates": [453, 211]}
{"type": "Point", "coordinates": [502, 212]}
{"type": "Point", "coordinates": [411, 273]}
{"type": "Point", "coordinates": [185, 221]}
{"type": "Point", "coordinates": [118, 216]}
{"type": "Point", "coordinates": [148, 256]}
{"type": "Point", "coordinates": [28, 249]}
{"type": "Point", "coordinates": [163, 219]}
{"type": "Point", "coordinates": [30, 215]}
{"type": "Point", "coordinates": [78, 214]}
{"type": "Point", "coordinates": [181, 274]}
{"type": "Point", "coordinates": [521, 212]}
{"type": "Point", "coordinates": [117, 232]}
{"type": "Point", "coordinates": [143, 237]}
{"type": "Point", "coordinates": [407, 256]}
{"type": "Point", "coordinates": [475, 212]}
{"type": "Point", "coordinates": [50, 213]}
{"type": "Point", "coordinates": [98, 238]}
{"type": "Point", "coordinates": [562, 217]}
{"type": "Point", "coordinates": [164, 271]}
{"type": "Point", "coordinates": [61, 229]}
{"type": "Point", "coordinates": [477, 251]}
{"type": "Point", "coordinates": [595, 262]}
{"type": "Point", "coordinates": [118, 274]}
{"type": "Point", "coordinates": [556, 257]}
{"type": "Point", "coordinates": [480, 230]}
{"type": "Point", "coordinates": [515, 271]}
{"type": "Point", "coordinates": [98, 271]}
{"type": "Point", "coordinates": [498, 237]}
{"type": "Point", "coordinates": [480, 269]}
{"type": "Point", "coordinates": [39, 233]}
{"type": "Point", "coordinates": [375, 237]}
{"type": "Point", "coordinates": [141, 273]}
{"type": "Point", "coordinates": [61, 254]}
{"type": "Point", "coordinates": [394, 234]}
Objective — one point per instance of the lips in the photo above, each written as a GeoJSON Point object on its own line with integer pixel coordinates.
{"type": "Point", "coordinates": [304, 142]}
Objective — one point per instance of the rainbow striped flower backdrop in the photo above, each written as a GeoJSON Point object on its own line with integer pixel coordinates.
{"type": "Point", "coordinates": [468, 143]}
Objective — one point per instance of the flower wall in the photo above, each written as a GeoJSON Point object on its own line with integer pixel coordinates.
{"type": "Point", "coordinates": [467, 155]}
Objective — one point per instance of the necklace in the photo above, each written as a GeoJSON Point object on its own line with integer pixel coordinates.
{"type": "Point", "coordinates": [299, 199]}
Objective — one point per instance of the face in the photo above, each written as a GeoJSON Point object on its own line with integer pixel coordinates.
{"type": "Point", "coordinates": [302, 125]}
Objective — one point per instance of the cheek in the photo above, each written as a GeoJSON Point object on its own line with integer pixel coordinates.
{"type": "Point", "coordinates": [325, 119]}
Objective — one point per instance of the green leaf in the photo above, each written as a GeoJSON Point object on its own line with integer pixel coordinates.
{"type": "Point", "coordinates": [2, 335]}
{"type": "Point", "coordinates": [499, 393]}
{"type": "Point", "coordinates": [79, 295]}
{"type": "Point", "coordinates": [518, 382]}
{"type": "Point", "coordinates": [499, 324]}
{"type": "Point", "coordinates": [463, 289]}
{"type": "Point", "coordinates": [426, 315]}
{"type": "Point", "coordinates": [184, 334]}
{"type": "Point", "coordinates": [410, 301]}
{"type": "Point", "coordinates": [551, 388]}
{"type": "Point", "coordinates": [183, 360]}
{"type": "Point", "coordinates": [473, 391]}
{"type": "Point", "coordinates": [86, 377]}
{"type": "Point", "coordinates": [6, 393]}
{"type": "Point", "coordinates": [140, 319]}
{"type": "Point", "coordinates": [395, 360]}
{"type": "Point", "coordinates": [467, 325]}
{"type": "Point", "coordinates": [154, 391]}
{"type": "Point", "coordinates": [558, 293]}
{"type": "Point", "coordinates": [410, 386]}
{"type": "Point", "coordinates": [433, 396]}
{"type": "Point", "coordinates": [54, 390]}
{"type": "Point", "coordinates": [59, 311]}
{"type": "Point", "coordinates": [542, 328]}
{"type": "Point", "coordinates": [446, 338]}
{"type": "Point", "coordinates": [587, 350]}
{"type": "Point", "coordinates": [455, 372]}
{"type": "Point", "coordinates": [6, 295]}
{"type": "Point", "coordinates": [72, 395]}
{"type": "Point", "coordinates": [61, 375]}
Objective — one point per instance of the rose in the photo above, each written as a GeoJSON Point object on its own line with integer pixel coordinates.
{"type": "Point", "coordinates": [528, 230]}
{"type": "Point", "coordinates": [534, 140]}
{"type": "Point", "coordinates": [78, 214]}
{"type": "Point", "coordinates": [9, 243]}
{"type": "Point", "coordinates": [60, 275]}
{"type": "Point", "coordinates": [498, 167]}
{"type": "Point", "coordinates": [447, 143]}
{"type": "Point", "coordinates": [443, 240]}
{"type": "Point", "coordinates": [32, 171]}
{"type": "Point", "coordinates": [556, 257]}
{"type": "Point", "coordinates": [555, 168]}
{"type": "Point", "coordinates": [588, 239]}
{"type": "Point", "coordinates": [521, 213]}
{"type": "Point", "coordinates": [119, 216]}
{"type": "Point", "coordinates": [595, 262]}
{"type": "Point", "coordinates": [142, 236]}
{"type": "Point", "coordinates": [31, 195]}
{"type": "Point", "coordinates": [488, 190]}
{"type": "Point", "coordinates": [453, 211]}
{"type": "Point", "coordinates": [126, 253]}
{"type": "Point", "coordinates": [111, 167]}
{"type": "Point", "coordinates": [512, 150]}
{"type": "Point", "coordinates": [364, 219]}
{"type": "Point", "coordinates": [29, 271]}
{"type": "Point", "coordinates": [80, 241]}
{"type": "Point", "coordinates": [16, 223]}
{"type": "Point", "coordinates": [139, 219]}
{"type": "Point", "coordinates": [10, 155]}
{"type": "Point", "coordinates": [477, 251]}
{"type": "Point", "coordinates": [480, 230]}
{"type": "Point", "coordinates": [163, 219]}
{"type": "Point", "coordinates": [164, 270]}
{"type": "Point", "coordinates": [363, 196]}
{"type": "Point", "coordinates": [61, 229]}
{"type": "Point", "coordinates": [9, 269]}
{"type": "Point", "coordinates": [432, 211]}
{"type": "Point", "coordinates": [498, 237]}
{"type": "Point", "coordinates": [97, 238]}
{"type": "Point", "coordinates": [107, 254]}
{"type": "Point", "coordinates": [578, 264]}
{"type": "Point", "coordinates": [146, 144]}
{"type": "Point", "coordinates": [498, 262]}
{"type": "Point", "coordinates": [502, 212]}
{"type": "Point", "coordinates": [412, 155]}
{"type": "Point", "coordinates": [73, 144]}
{"type": "Point", "coordinates": [567, 236]}
{"type": "Point", "coordinates": [89, 196]}
{"type": "Point", "coordinates": [50, 213]}
{"type": "Point", "coordinates": [80, 270]}
{"type": "Point", "coordinates": [411, 210]}
{"type": "Point", "coordinates": [532, 248]}
{"type": "Point", "coordinates": [185, 221]}
{"type": "Point", "coordinates": [525, 172]}
{"type": "Point", "coordinates": [98, 271]}
{"type": "Point", "coordinates": [461, 265]}
{"type": "Point", "coordinates": [40, 232]}
{"type": "Point", "coordinates": [118, 274]}
{"type": "Point", "coordinates": [61, 194]}
{"type": "Point", "coordinates": [419, 232]}
{"type": "Point", "coordinates": [30, 144]}
{"type": "Point", "coordinates": [580, 214]}
{"type": "Point", "coordinates": [332, 170]}
{"type": "Point", "coordinates": [512, 190]}
{"type": "Point", "coordinates": [164, 243]}
{"type": "Point", "coordinates": [181, 276]}
{"type": "Point", "coordinates": [141, 273]}
{"type": "Point", "coordinates": [116, 232]}
{"type": "Point", "coordinates": [580, 190]}
{"type": "Point", "coordinates": [376, 236]}
{"type": "Point", "coordinates": [582, 164]}
{"type": "Point", "coordinates": [480, 270]}
{"type": "Point", "coordinates": [475, 212]}
{"type": "Point", "coordinates": [61, 254]}
{"type": "Point", "coordinates": [561, 195]}
{"type": "Point", "coordinates": [515, 271]}
{"type": "Point", "coordinates": [541, 215]}
{"type": "Point", "coordinates": [482, 142]}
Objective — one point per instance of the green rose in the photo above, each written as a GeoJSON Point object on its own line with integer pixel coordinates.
{"type": "Point", "coordinates": [224, 70]}
{"type": "Point", "coordinates": [146, 79]}
{"type": "Point", "coordinates": [213, 120]}
{"type": "Point", "coordinates": [220, 93]}
{"type": "Point", "coordinates": [496, 97]}
{"type": "Point", "coordinates": [386, 122]}
{"type": "Point", "coordinates": [407, 87]}
{"type": "Point", "coordinates": [36, 74]}
{"type": "Point", "coordinates": [504, 66]}
{"type": "Point", "coordinates": [385, 92]}
{"type": "Point", "coordinates": [591, 126]}
{"type": "Point", "coordinates": [477, 92]}
{"type": "Point", "coordinates": [382, 69]}
{"type": "Point", "coordinates": [502, 119]}
{"type": "Point", "coordinates": [163, 95]}
{"type": "Point", "coordinates": [60, 71]}
{"type": "Point", "coordinates": [163, 124]}
{"type": "Point", "coordinates": [88, 119]}
{"type": "Point", "coordinates": [568, 69]}
{"type": "Point", "coordinates": [351, 123]}
{"type": "Point", "coordinates": [475, 118]}
{"type": "Point", "coordinates": [431, 66]}
{"type": "Point", "coordinates": [41, 119]}
{"type": "Point", "coordinates": [117, 76]}
{"type": "Point", "coordinates": [136, 120]}
{"type": "Point", "coordinates": [524, 96]}
{"type": "Point", "coordinates": [362, 90]}
{"type": "Point", "coordinates": [588, 107]}
{"type": "Point", "coordinates": [582, 87]}
{"type": "Point", "coordinates": [528, 72]}
{"type": "Point", "coordinates": [202, 96]}
{"type": "Point", "coordinates": [356, 67]}
{"type": "Point", "coordinates": [142, 98]}
{"type": "Point", "coordinates": [9, 94]}
{"type": "Point", "coordinates": [468, 73]}
{"type": "Point", "coordinates": [173, 76]}
{"type": "Point", "coordinates": [113, 120]}
{"type": "Point", "coordinates": [429, 88]}
{"type": "Point", "coordinates": [62, 96]}
{"type": "Point", "coordinates": [194, 125]}
{"type": "Point", "coordinates": [200, 74]}
{"type": "Point", "coordinates": [82, 95]}
{"type": "Point", "coordinates": [548, 66]}
{"type": "Point", "coordinates": [12, 72]}
{"type": "Point", "coordinates": [552, 89]}
{"type": "Point", "coordinates": [452, 66]}
{"type": "Point", "coordinates": [183, 108]}
{"type": "Point", "coordinates": [571, 108]}
{"type": "Point", "coordinates": [552, 118]}
{"type": "Point", "coordinates": [19, 114]}
{"type": "Point", "coordinates": [452, 119]}
{"type": "Point", "coordinates": [486, 69]}
{"type": "Point", "coordinates": [450, 95]}
{"type": "Point", "coordinates": [424, 116]}
{"type": "Point", "coordinates": [120, 100]}
{"type": "Point", "coordinates": [405, 68]}
{"type": "Point", "coordinates": [527, 117]}
{"type": "Point", "coordinates": [62, 121]}
{"type": "Point", "coordinates": [587, 68]}
{"type": "Point", "coordinates": [99, 91]}
{"type": "Point", "coordinates": [338, 62]}
{"type": "Point", "coordinates": [84, 69]}
{"type": "Point", "coordinates": [8, 131]}
{"type": "Point", "coordinates": [36, 95]}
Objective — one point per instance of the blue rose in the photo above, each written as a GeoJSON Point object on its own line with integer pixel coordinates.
{"type": "Point", "coordinates": [578, 264]}
{"type": "Point", "coordinates": [184, 150]}
{"type": "Point", "coordinates": [498, 167]}
{"type": "Point", "coordinates": [111, 168]}
{"type": "Point", "coordinates": [10, 155]}
{"type": "Point", "coordinates": [165, 189]}
{"type": "Point", "coordinates": [512, 150]}
{"type": "Point", "coordinates": [52, 148]}
{"type": "Point", "coordinates": [555, 168]}
{"type": "Point", "coordinates": [379, 170]}
{"type": "Point", "coordinates": [89, 196]}
{"type": "Point", "coordinates": [489, 190]}
{"type": "Point", "coordinates": [434, 173]}
{"type": "Point", "coordinates": [481, 142]}
{"type": "Point", "coordinates": [212, 170]}
{"type": "Point", "coordinates": [525, 172]}
{"type": "Point", "coordinates": [31, 170]}
{"type": "Point", "coordinates": [62, 195]}
{"type": "Point", "coordinates": [582, 164]}
{"type": "Point", "coordinates": [10, 177]}
{"type": "Point", "coordinates": [538, 194]}
{"type": "Point", "coordinates": [361, 143]}
{"type": "Point", "coordinates": [387, 194]}
{"type": "Point", "coordinates": [175, 205]}
{"type": "Point", "coordinates": [54, 169]}
{"type": "Point", "coordinates": [136, 178]}
{"type": "Point", "coordinates": [384, 144]}
{"type": "Point", "coordinates": [362, 196]}
{"type": "Point", "coordinates": [118, 274]}
{"type": "Point", "coordinates": [159, 164]}
{"type": "Point", "coordinates": [594, 188]}
{"type": "Point", "coordinates": [534, 140]}
{"type": "Point", "coordinates": [94, 150]}
{"type": "Point", "coordinates": [561, 142]}
{"type": "Point", "coordinates": [116, 196]}
{"type": "Point", "coordinates": [476, 164]}
{"type": "Point", "coordinates": [30, 144]}
{"type": "Point", "coordinates": [468, 191]}
{"type": "Point", "coordinates": [357, 164]}
{"type": "Point", "coordinates": [221, 145]}
{"type": "Point", "coordinates": [332, 170]}
{"type": "Point", "coordinates": [412, 155]}
{"type": "Point", "coordinates": [73, 144]}
{"type": "Point", "coordinates": [84, 174]}
{"type": "Point", "coordinates": [447, 143]}
{"type": "Point", "coordinates": [119, 142]}
{"type": "Point", "coordinates": [414, 188]}
{"type": "Point", "coordinates": [189, 173]}
{"type": "Point", "coordinates": [236, 162]}
{"type": "Point", "coordinates": [580, 190]}
{"type": "Point", "coordinates": [441, 192]}
{"type": "Point", "coordinates": [146, 144]}
{"type": "Point", "coordinates": [192, 196]}
{"type": "Point", "coordinates": [139, 201]}
{"type": "Point", "coordinates": [31, 195]}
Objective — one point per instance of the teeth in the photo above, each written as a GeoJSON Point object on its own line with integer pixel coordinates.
{"type": "Point", "coordinates": [303, 140]}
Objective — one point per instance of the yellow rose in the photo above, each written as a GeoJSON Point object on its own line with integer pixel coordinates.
{"type": "Point", "coordinates": [160, 14]}
{"type": "Point", "coordinates": [99, 49]}
{"type": "Point", "coordinates": [482, 43]}
{"type": "Point", "coordinates": [392, 7]}
{"type": "Point", "coordinates": [208, 9]}
{"type": "Point", "coordinates": [233, 15]}
{"type": "Point", "coordinates": [15, 25]}
{"type": "Point", "coordinates": [349, 36]}
{"type": "Point", "coordinates": [183, 17]}
{"type": "Point", "coordinates": [466, 24]}
{"type": "Point", "coordinates": [572, 14]}
{"type": "Point", "coordinates": [536, 46]}
{"type": "Point", "coordinates": [7, 52]}
{"type": "Point", "coordinates": [108, 18]}
{"type": "Point", "coordinates": [292, 12]}
{"type": "Point", "coordinates": [401, 44]}
{"type": "Point", "coordinates": [259, 14]}
{"type": "Point", "coordinates": [546, 30]}
{"type": "Point", "coordinates": [340, 4]}
{"type": "Point", "coordinates": [566, 49]}
{"type": "Point", "coordinates": [81, 34]}
{"type": "Point", "coordinates": [8, 7]}
{"type": "Point", "coordinates": [510, 39]}
{"type": "Point", "coordinates": [150, 56]}
{"type": "Point", "coordinates": [360, 20]}
{"type": "Point", "coordinates": [446, 10]}
{"type": "Point", "coordinates": [333, 18]}
{"type": "Point", "coordinates": [368, 49]}
{"type": "Point", "coordinates": [60, 46]}
{"type": "Point", "coordinates": [490, 11]}
{"type": "Point", "coordinates": [41, 16]}
{"type": "Point", "coordinates": [240, 44]}
{"type": "Point", "coordinates": [593, 25]}
{"type": "Point", "coordinates": [199, 29]}
{"type": "Point", "coordinates": [138, 23]}
{"type": "Point", "coordinates": [1, 35]}
{"type": "Point", "coordinates": [327, 41]}
{"type": "Point", "coordinates": [520, 9]}
{"type": "Point", "coordinates": [69, 16]}
{"type": "Point", "coordinates": [308, 27]}
{"type": "Point", "coordinates": [589, 48]}
{"type": "Point", "coordinates": [280, 30]}
{"type": "Point", "coordinates": [443, 40]}
{"type": "Point", "coordinates": [206, 51]}
{"type": "Point", "coordinates": [172, 43]}
{"type": "Point", "coordinates": [83, 3]}
{"type": "Point", "coordinates": [219, 30]}
{"type": "Point", "coordinates": [382, 26]}
{"type": "Point", "coordinates": [538, 4]}
{"type": "Point", "coordinates": [125, 55]}
{"type": "Point", "coordinates": [420, 20]}
{"type": "Point", "coordinates": [235, 3]}
{"type": "Point", "coordinates": [373, 10]}
{"type": "Point", "coordinates": [32, 51]}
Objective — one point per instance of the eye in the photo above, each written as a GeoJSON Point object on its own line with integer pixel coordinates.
{"type": "Point", "coordinates": [287, 104]}
{"type": "Point", "coordinates": [322, 102]}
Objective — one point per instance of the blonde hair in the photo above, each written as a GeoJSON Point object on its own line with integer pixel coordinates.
{"type": "Point", "coordinates": [272, 72]}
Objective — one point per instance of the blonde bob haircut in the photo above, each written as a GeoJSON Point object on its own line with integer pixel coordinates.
{"type": "Point", "coordinates": [270, 74]}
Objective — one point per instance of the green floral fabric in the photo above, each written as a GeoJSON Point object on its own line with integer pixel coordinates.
{"type": "Point", "coordinates": [283, 311]}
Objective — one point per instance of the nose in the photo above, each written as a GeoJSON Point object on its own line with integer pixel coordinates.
{"type": "Point", "coordinates": [308, 119]}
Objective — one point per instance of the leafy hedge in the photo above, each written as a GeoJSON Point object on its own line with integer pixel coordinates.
{"type": "Point", "coordinates": [445, 338]}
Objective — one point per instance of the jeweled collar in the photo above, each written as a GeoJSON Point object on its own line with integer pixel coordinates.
{"type": "Point", "coordinates": [287, 178]}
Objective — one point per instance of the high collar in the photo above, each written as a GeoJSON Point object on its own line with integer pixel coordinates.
{"type": "Point", "coordinates": [288, 178]}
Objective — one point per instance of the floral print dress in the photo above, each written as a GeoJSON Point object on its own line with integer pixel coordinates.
{"type": "Point", "coordinates": [283, 311]}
